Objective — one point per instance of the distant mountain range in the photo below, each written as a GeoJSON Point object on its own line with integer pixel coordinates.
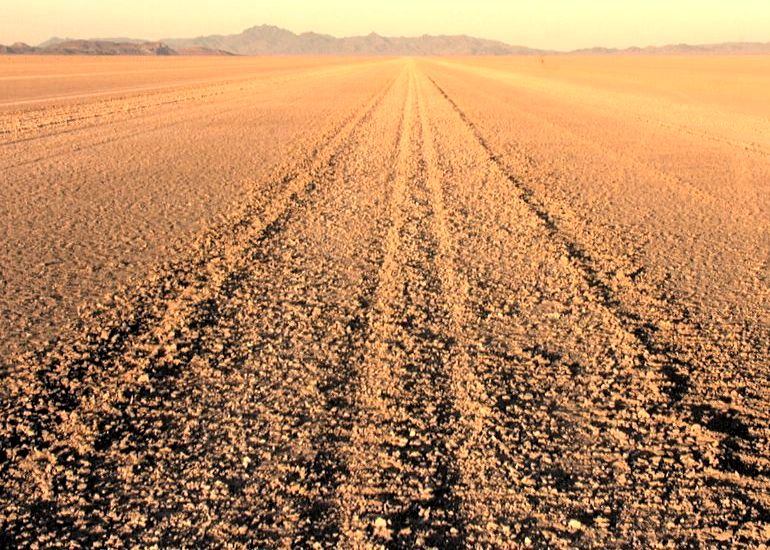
{"type": "Point", "coordinates": [58, 46]}
{"type": "Point", "coordinates": [267, 40]}
{"type": "Point", "coordinates": [725, 48]}
{"type": "Point", "coordinates": [55, 41]}
{"type": "Point", "coordinates": [271, 40]}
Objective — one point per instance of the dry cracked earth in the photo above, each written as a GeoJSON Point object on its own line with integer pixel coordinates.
{"type": "Point", "coordinates": [384, 303]}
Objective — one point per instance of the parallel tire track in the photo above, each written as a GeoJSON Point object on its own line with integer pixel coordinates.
{"type": "Point", "coordinates": [400, 491]}
{"type": "Point", "coordinates": [673, 364]}
{"type": "Point", "coordinates": [399, 345]}
{"type": "Point", "coordinates": [475, 432]}
{"type": "Point", "coordinates": [139, 349]}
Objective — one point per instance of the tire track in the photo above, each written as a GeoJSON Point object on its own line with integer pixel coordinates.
{"type": "Point", "coordinates": [400, 491]}
{"type": "Point", "coordinates": [205, 183]}
{"type": "Point", "coordinates": [476, 432]}
{"type": "Point", "coordinates": [139, 348]}
{"type": "Point", "coordinates": [673, 365]}
{"type": "Point", "coordinates": [535, 451]}
{"type": "Point", "coordinates": [667, 360]}
{"type": "Point", "coordinates": [295, 376]}
{"type": "Point", "coordinates": [675, 342]}
{"type": "Point", "coordinates": [319, 521]}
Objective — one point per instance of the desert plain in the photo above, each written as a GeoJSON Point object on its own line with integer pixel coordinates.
{"type": "Point", "coordinates": [403, 302]}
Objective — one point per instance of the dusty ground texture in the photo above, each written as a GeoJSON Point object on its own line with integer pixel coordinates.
{"type": "Point", "coordinates": [110, 166]}
{"type": "Point", "coordinates": [398, 303]}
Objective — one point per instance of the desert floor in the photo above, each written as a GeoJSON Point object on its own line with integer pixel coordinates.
{"type": "Point", "coordinates": [450, 302]}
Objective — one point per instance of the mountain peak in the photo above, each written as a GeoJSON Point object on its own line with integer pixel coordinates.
{"type": "Point", "coordinates": [266, 29]}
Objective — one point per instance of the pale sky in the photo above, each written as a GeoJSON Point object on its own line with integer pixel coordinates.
{"type": "Point", "coordinates": [557, 24]}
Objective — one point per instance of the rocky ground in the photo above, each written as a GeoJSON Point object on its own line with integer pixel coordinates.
{"type": "Point", "coordinates": [455, 316]}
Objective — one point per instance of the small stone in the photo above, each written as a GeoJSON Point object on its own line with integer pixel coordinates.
{"type": "Point", "coordinates": [381, 528]}
{"type": "Point", "coordinates": [575, 525]}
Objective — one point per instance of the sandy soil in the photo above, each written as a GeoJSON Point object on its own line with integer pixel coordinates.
{"type": "Point", "coordinates": [95, 189]}
{"type": "Point", "coordinates": [400, 303]}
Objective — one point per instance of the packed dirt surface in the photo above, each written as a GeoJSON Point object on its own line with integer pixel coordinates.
{"type": "Point", "coordinates": [110, 166]}
{"type": "Point", "coordinates": [386, 303]}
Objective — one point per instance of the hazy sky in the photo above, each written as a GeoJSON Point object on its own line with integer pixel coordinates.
{"type": "Point", "coordinates": [559, 24]}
